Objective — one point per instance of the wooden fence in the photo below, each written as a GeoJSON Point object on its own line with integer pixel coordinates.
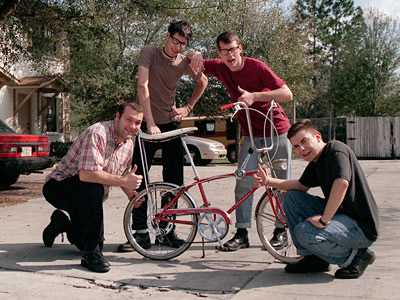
{"type": "Point", "coordinates": [374, 137]}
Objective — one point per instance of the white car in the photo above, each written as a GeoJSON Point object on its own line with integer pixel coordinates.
{"type": "Point", "coordinates": [202, 150]}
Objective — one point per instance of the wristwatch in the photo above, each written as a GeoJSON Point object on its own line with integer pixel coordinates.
{"type": "Point", "coordinates": [323, 223]}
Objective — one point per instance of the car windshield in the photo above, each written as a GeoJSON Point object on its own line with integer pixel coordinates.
{"type": "Point", "coordinates": [4, 127]}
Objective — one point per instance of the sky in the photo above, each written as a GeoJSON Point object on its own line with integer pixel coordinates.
{"type": "Point", "coordinates": [391, 7]}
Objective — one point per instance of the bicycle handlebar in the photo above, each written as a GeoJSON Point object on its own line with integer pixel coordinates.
{"type": "Point", "coordinates": [241, 105]}
{"type": "Point", "coordinates": [226, 106]}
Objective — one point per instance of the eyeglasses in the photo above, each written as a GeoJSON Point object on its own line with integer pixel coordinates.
{"type": "Point", "coordinates": [175, 41]}
{"type": "Point", "coordinates": [230, 50]}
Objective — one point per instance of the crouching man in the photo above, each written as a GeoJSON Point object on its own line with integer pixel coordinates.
{"type": "Point", "coordinates": [99, 158]}
{"type": "Point", "coordinates": [336, 229]}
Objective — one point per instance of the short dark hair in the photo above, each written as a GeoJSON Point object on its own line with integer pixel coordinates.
{"type": "Point", "coordinates": [301, 125]}
{"type": "Point", "coordinates": [181, 27]}
{"type": "Point", "coordinates": [227, 37]}
{"type": "Point", "coordinates": [132, 104]}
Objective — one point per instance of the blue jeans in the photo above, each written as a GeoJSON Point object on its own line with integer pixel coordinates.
{"type": "Point", "coordinates": [338, 243]}
{"type": "Point", "coordinates": [244, 211]}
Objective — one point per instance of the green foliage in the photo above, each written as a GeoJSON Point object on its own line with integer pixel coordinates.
{"type": "Point", "coordinates": [323, 50]}
{"type": "Point", "coordinates": [59, 149]}
{"type": "Point", "coordinates": [367, 82]}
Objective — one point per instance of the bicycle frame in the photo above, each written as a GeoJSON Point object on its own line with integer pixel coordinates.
{"type": "Point", "coordinates": [172, 211]}
{"type": "Point", "coordinates": [207, 209]}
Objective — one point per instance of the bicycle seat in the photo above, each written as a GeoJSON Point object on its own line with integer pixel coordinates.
{"type": "Point", "coordinates": [165, 135]}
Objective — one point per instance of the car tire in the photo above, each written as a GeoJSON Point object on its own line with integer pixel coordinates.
{"type": "Point", "coordinates": [8, 179]}
{"type": "Point", "coordinates": [205, 162]}
{"type": "Point", "coordinates": [195, 153]}
{"type": "Point", "coordinates": [231, 153]}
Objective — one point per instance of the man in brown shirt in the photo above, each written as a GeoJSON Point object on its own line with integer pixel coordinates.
{"type": "Point", "coordinates": [160, 69]}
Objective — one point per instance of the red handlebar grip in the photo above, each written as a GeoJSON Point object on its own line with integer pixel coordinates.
{"type": "Point", "coordinates": [227, 106]}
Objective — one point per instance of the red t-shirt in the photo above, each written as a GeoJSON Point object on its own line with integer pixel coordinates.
{"type": "Point", "coordinates": [255, 76]}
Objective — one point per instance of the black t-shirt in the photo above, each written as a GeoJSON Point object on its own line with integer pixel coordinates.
{"type": "Point", "coordinates": [337, 160]}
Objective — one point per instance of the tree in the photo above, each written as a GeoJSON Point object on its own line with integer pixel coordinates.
{"type": "Point", "coordinates": [329, 25]}
{"type": "Point", "coordinates": [97, 43]}
{"type": "Point", "coordinates": [367, 81]}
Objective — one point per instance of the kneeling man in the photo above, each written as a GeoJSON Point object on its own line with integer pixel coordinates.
{"type": "Point", "coordinates": [336, 229]}
{"type": "Point", "coordinates": [99, 158]}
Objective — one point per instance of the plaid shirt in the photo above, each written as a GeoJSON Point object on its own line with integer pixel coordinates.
{"type": "Point", "coordinates": [96, 149]}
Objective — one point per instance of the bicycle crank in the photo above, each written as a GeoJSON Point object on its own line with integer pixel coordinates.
{"type": "Point", "coordinates": [212, 227]}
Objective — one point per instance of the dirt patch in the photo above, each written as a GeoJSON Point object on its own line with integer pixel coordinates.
{"type": "Point", "coordinates": [24, 190]}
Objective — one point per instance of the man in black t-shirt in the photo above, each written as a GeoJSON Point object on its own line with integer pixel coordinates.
{"type": "Point", "coordinates": [336, 229]}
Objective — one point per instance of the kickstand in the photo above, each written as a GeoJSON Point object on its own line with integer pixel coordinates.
{"type": "Point", "coordinates": [204, 251]}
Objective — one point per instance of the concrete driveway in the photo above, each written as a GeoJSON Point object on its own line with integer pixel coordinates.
{"type": "Point", "coordinates": [28, 270]}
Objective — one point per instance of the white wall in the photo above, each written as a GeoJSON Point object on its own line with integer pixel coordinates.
{"type": "Point", "coordinates": [6, 105]}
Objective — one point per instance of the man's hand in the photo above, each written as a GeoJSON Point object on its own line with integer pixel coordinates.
{"type": "Point", "coordinates": [246, 97]}
{"type": "Point", "coordinates": [196, 61]}
{"type": "Point", "coordinates": [314, 220]}
{"type": "Point", "coordinates": [153, 129]}
{"type": "Point", "coordinates": [133, 181]}
{"type": "Point", "coordinates": [138, 202]}
{"type": "Point", "coordinates": [260, 178]}
{"type": "Point", "coordinates": [177, 114]}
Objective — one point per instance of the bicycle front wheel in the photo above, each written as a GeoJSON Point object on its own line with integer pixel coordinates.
{"type": "Point", "coordinates": [266, 221]}
{"type": "Point", "coordinates": [168, 239]}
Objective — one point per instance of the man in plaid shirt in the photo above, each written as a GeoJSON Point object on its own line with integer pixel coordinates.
{"type": "Point", "coordinates": [99, 159]}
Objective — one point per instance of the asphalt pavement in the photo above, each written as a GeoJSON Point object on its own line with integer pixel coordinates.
{"type": "Point", "coordinates": [28, 270]}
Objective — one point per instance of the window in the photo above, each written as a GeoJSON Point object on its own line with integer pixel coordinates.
{"type": "Point", "coordinates": [231, 129]}
{"type": "Point", "coordinates": [51, 117]}
{"type": "Point", "coordinates": [205, 127]}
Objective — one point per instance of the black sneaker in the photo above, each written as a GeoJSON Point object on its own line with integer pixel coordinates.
{"type": "Point", "coordinates": [95, 261]}
{"type": "Point", "coordinates": [170, 240]}
{"type": "Point", "coordinates": [59, 223]}
{"type": "Point", "coordinates": [238, 241]}
{"type": "Point", "coordinates": [309, 264]}
{"type": "Point", "coordinates": [143, 239]}
{"type": "Point", "coordinates": [280, 239]}
{"type": "Point", "coordinates": [363, 258]}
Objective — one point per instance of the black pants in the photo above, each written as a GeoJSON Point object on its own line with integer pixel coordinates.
{"type": "Point", "coordinates": [172, 161]}
{"type": "Point", "coordinates": [84, 203]}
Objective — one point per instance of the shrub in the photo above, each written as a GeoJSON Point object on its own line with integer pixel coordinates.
{"type": "Point", "coordinates": [59, 149]}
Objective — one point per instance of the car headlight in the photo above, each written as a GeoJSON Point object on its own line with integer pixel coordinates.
{"type": "Point", "coordinates": [213, 147]}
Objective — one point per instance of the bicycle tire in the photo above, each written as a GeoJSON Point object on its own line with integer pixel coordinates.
{"type": "Point", "coordinates": [186, 232]}
{"type": "Point", "coordinates": [265, 222]}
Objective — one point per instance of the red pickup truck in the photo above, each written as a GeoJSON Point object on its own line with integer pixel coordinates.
{"type": "Point", "coordinates": [21, 154]}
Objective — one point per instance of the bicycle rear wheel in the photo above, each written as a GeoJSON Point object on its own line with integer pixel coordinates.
{"type": "Point", "coordinates": [162, 247]}
{"type": "Point", "coordinates": [265, 221]}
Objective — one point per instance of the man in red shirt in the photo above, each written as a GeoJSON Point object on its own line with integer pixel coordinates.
{"type": "Point", "coordinates": [250, 81]}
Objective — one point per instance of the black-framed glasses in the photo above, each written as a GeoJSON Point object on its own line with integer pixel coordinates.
{"type": "Point", "coordinates": [230, 50]}
{"type": "Point", "coordinates": [175, 41]}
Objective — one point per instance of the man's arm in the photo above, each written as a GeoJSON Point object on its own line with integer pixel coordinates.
{"type": "Point", "coordinates": [260, 178]}
{"type": "Point", "coordinates": [182, 112]}
{"type": "Point", "coordinates": [128, 182]}
{"type": "Point", "coordinates": [336, 196]}
{"type": "Point", "coordinates": [282, 94]}
{"type": "Point", "coordinates": [196, 61]}
{"type": "Point", "coordinates": [144, 99]}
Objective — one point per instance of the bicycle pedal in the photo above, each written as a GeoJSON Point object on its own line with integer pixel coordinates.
{"type": "Point", "coordinates": [223, 249]}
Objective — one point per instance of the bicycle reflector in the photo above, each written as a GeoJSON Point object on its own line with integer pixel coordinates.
{"type": "Point", "coordinates": [280, 164]}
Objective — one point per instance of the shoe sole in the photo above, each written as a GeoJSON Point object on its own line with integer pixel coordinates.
{"type": "Point", "coordinates": [157, 243]}
{"type": "Point", "coordinates": [278, 247]}
{"type": "Point", "coordinates": [131, 249]}
{"type": "Point", "coordinates": [48, 236]}
{"type": "Point", "coordinates": [87, 266]}
{"type": "Point", "coordinates": [231, 249]}
{"type": "Point", "coordinates": [355, 276]}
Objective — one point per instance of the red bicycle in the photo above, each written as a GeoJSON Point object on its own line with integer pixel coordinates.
{"type": "Point", "coordinates": [171, 208]}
